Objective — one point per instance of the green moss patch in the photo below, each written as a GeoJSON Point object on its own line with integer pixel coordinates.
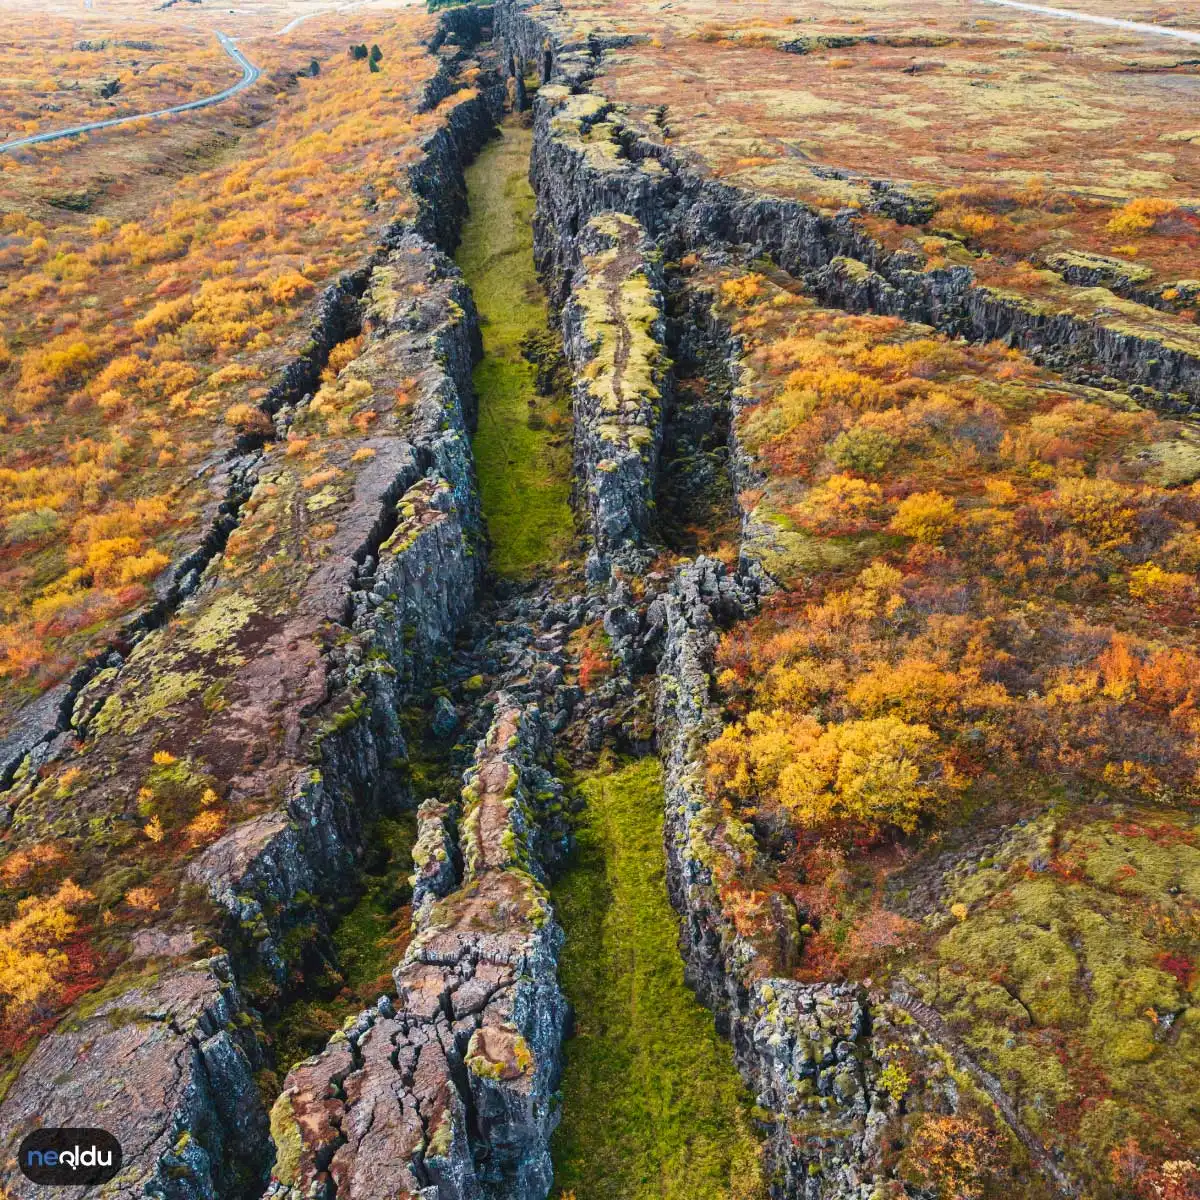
{"type": "Point", "coordinates": [522, 445]}
{"type": "Point", "coordinates": [652, 1105]}
{"type": "Point", "coordinates": [1070, 972]}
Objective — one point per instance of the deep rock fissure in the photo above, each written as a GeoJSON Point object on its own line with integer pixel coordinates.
{"type": "Point", "coordinates": [213, 1139]}
{"type": "Point", "coordinates": [837, 262]}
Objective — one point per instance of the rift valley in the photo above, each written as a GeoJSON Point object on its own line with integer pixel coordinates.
{"type": "Point", "coordinates": [598, 600]}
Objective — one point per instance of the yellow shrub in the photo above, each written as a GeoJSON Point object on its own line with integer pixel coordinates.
{"type": "Point", "coordinates": [206, 825]}
{"type": "Point", "coordinates": [1140, 216]}
{"type": "Point", "coordinates": [248, 418]}
{"type": "Point", "coordinates": [1152, 584]}
{"type": "Point", "coordinates": [1099, 509]}
{"type": "Point", "coordinates": [925, 516]}
{"type": "Point", "coordinates": [143, 566]}
{"type": "Point", "coordinates": [142, 899]}
{"type": "Point", "coordinates": [743, 290]}
{"type": "Point", "coordinates": [842, 500]}
{"type": "Point", "coordinates": [30, 959]}
{"type": "Point", "coordinates": [286, 287]}
{"type": "Point", "coordinates": [875, 774]}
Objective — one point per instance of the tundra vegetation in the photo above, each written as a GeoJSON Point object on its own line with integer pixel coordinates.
{"type": "Point", "coordinates": [139, 342]}
{"type": "Point", "coordinates": [1029, 150]}
{"type": "Point", "coordinates": [966, 723]}
{"type": "Point", "coordinates": [57, 72]}
{"type": "Point", "coordinates": [141, 333]}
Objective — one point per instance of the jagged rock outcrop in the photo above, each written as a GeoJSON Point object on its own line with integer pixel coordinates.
{"type": "Point", "coordinates": [805, 1049]}
{"type": "Point", "coordinates": [326, 600]}
{"type": "Point", "coordinates": [436, 178]}
{"type": "Point", "coordinates": [613, 333]}
{"type": "Point", "coordinates": [458, 32]}
{"type": "Point", "coordinates": [401, 574]}
{"type": "Point", "coordinates": [402, 593]}
{"type": "Point", "coordinates": [41, 731]}
{"type": "Point", "coordinates": [435, 856]}
{"type": "Point", "coordinates": [447, 1092]}
{"type": "Point", "coordinates": [168, 1066]}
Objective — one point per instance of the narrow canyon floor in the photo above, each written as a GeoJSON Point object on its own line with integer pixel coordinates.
{"type": "Point", "coordinates": [652, 1105]}
{"type": "Point", "coordinates": [522, 445]}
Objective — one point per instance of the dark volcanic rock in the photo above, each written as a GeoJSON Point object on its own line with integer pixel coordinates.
{"type": "Point", "coordinates": [448, 1093]}
{"type": "Point", "coordinates": [167, 1067]}
{"type": "Point", "coordinates": [613, 333]}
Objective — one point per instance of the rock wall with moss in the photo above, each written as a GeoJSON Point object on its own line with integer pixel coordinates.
{"type": "Point", "coordinates": [448, 1088]}
{"type": "Point", "coordinates": [217, 780]}
{"type": "Point", "coordinates": [613, 334]}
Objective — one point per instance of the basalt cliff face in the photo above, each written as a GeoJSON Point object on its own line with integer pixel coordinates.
{"type": "Point", "coordinates": [613, 335]}
{"type": "Point", "coordinates": [312, 663]}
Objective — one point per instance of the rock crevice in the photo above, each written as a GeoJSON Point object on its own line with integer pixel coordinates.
{"type": "Point", "coordinates": [306, 731]}
{"type": "Point", "coordinates": [593, 156]}
{"type": "Point", "coordinates": [447, 1091]}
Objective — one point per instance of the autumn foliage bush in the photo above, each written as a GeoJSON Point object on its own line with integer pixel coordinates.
{"type": "Point", "coordinates": [32, 962]}
{"type": "Point", "coordinates": [955, 1156]}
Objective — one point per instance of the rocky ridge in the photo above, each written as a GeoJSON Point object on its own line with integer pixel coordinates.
{"type": "Point", "coordinates": [436, 180]}
{"type": "Point", "coordinates": [613, 334]}
{"type": "Point", "coordinates": [447, 1090]}
{"type": "Point", "coordinates": [814, 1054]}
{"type": "Point", "coordinates": [354, 637]}
{"type": "Point", "coordinates": [594, 156]}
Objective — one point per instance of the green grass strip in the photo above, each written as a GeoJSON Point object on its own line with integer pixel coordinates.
{"type": "Point", "coordinates": [653, 1108]}
{"type": "Point", "coordinates": [524, 466]}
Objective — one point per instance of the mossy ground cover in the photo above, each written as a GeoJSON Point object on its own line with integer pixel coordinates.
{"type": "Point", "coordinates": [367, 942]}
{"type": "Point", "coordinates": [1068, 965]}
{"type": "Point", "coordinates": [522, 447]}
{"type": "Point", "coordinates": [652, 1104]}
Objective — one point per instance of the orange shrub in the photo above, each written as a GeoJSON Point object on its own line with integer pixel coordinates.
{"type": "Point", "coordinates": [1140, 216]}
